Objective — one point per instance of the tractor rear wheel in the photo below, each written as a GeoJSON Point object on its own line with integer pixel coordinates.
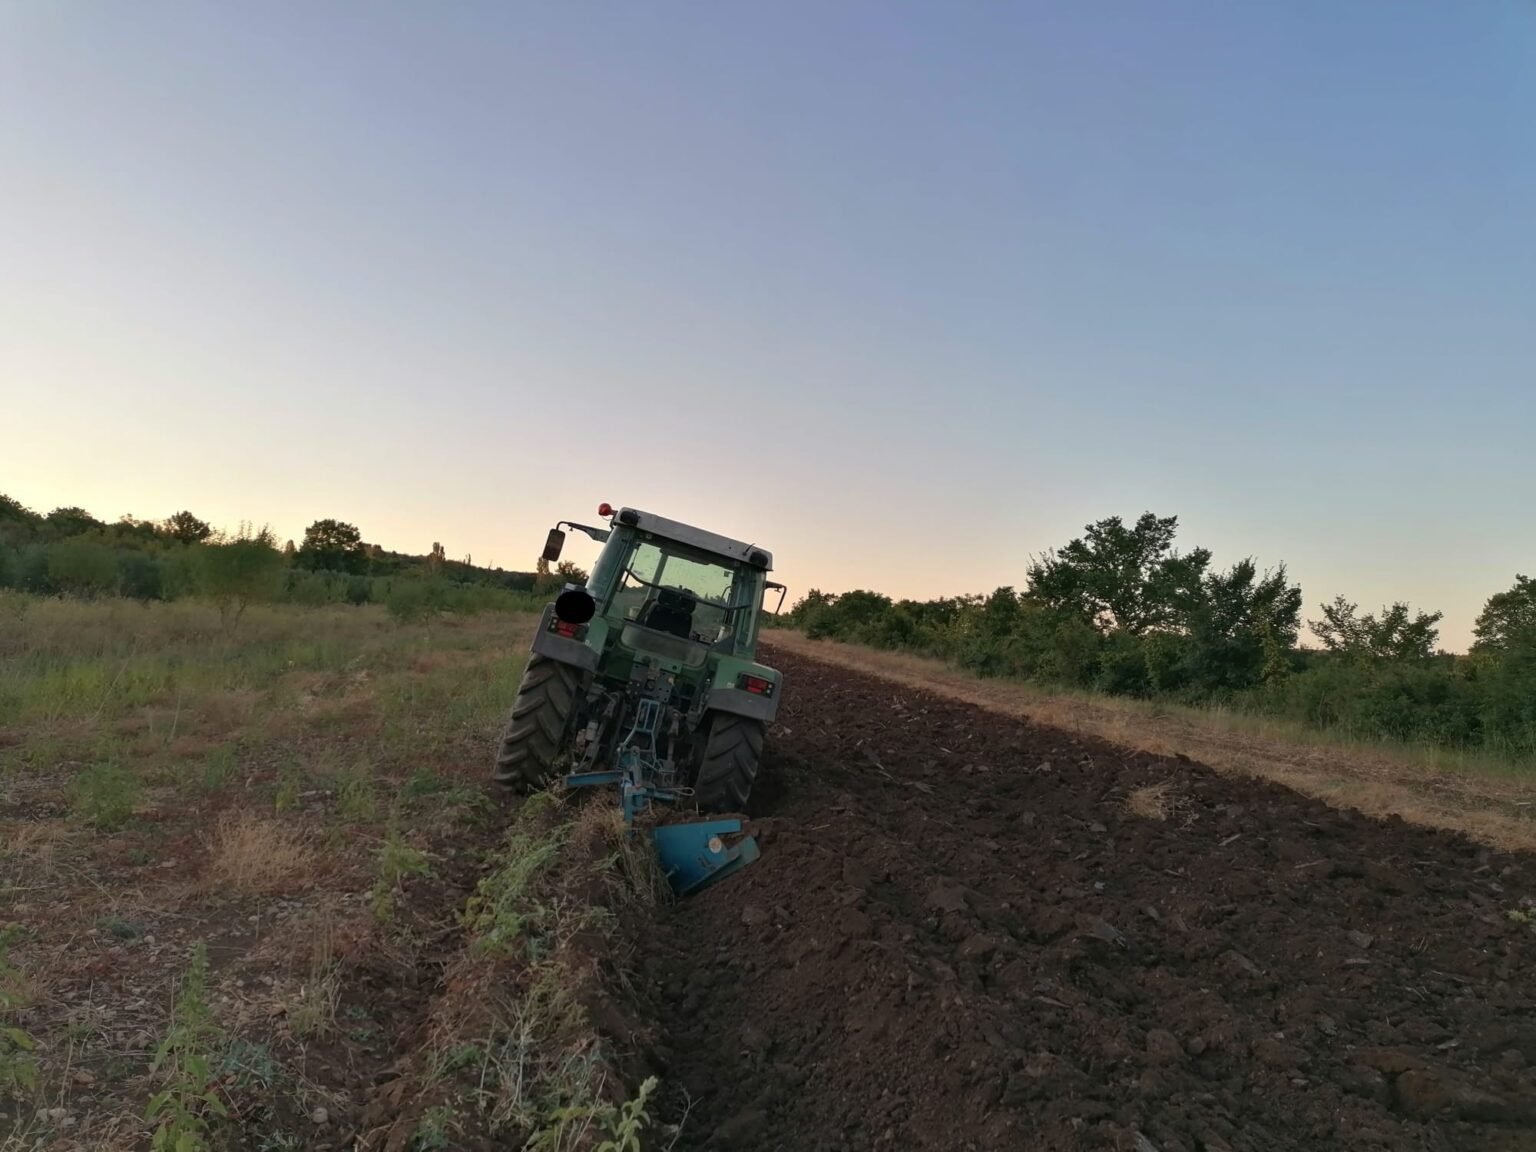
{"type": "Point", "coordinates": [733, 745]}
{"type": "Point", "coordinates": [537, 729]}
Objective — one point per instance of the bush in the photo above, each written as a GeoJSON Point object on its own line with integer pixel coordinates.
{"type": "Point", "coordinates": [81, 568]}
{"type": "Point", "coordinates": [138, 575]}
{"type": "Point", "coordinates": [236, 573]}
{"type": "Point", "coordinates": [411, 599]}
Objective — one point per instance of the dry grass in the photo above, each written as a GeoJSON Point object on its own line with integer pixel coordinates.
{"type": "Point", "coordinates": [1151, 802]}
{"type": "Point", "coordinates": [313, 1013]}
{"type": "Point", "coordinates": [249, 853]}
{"type": "Point", "coordinates": [35, 843]}
{"type": "Point", "coordinates": [1475, 795]}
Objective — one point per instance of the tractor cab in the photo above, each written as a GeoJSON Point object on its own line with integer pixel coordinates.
{"type": "Point", "coordinates": [668, 589]}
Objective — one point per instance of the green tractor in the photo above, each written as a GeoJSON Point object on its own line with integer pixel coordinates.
{"type": "Point", "coordinates": [647, 678]}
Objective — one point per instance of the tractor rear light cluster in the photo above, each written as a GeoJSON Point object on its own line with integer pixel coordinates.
{"type": "Point", "coordinates": [755, 684]}
{"type": "Point", "coordinates": [568, 629]}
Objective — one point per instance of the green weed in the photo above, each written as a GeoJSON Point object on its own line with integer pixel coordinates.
{"type": "Point", "coordinates": [397, 861]}
{"type": "Point", "coordinates": [289, 785]}
{"type": "Point", "coordinates": [356, 796]}
{"type": "Point", "coordinates": [104, 795]}
{"type": "Point", "coordinates": [218, 767]}
{"type": "Point", "coordinates": [119, 929]}
{"type": "Point", "coordinates": [181, 1110]}
{"type": "Point", "coordinates": [506, 910]}
{"type": "Point", "coordinates": [434, 1130]}
{"type": "Point", "coordinates": [620, 1126]}
{"type": "Point", "coordinates": [18, 1067]}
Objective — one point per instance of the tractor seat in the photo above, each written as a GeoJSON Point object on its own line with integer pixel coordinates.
{"type": "Point", "coordinates": [671, 612]}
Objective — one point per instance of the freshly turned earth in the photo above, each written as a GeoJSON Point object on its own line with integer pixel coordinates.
{"type": "Point", "coordinates": [959, 937]}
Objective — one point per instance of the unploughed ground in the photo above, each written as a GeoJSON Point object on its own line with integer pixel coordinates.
{"type": "Point", "coordinates": [969, 932]}
{"type": "Point", "coordinates": [303, 795]}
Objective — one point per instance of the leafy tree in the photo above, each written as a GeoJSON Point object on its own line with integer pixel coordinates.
{"type": "Point", "coordinates": [66, 522]}
{"type": "Point", "coordinates": [1238, 625]}
{"type": "Point", "coordinates": [15, 512]}
{"type": "Point", "coordinates": [238, 572]}
{"type": "Point", "coordinates": [187, 528]}
{"type": "Point", "coordinates": [1392, 636]}
{"type": "Point", "coordinates": [570, 574]}
{"type": "Point", "coordinates": [1119, 577]}
{"type": "Point", "coordinates": [1509, 695]}
{"type": "Point", "coordinates": [332, 545]}
{"type": "Point", "coordinates": [1506, 617]}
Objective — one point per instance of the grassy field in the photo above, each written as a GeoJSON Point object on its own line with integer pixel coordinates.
{"type": "Point", "coordinates": [1489, 798]}
{"type": "Point", "coordinates": [255, 892]}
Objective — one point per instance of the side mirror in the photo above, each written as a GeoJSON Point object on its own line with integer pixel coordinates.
{"type": "Point", "coordinates": [553, 544]}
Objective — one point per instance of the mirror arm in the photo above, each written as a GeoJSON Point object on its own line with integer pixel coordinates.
{"type": "Point", "coordinates": [599, 534]}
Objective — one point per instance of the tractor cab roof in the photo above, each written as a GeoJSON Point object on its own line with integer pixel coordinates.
{"type": "Point", "coordinates": [734, 550]}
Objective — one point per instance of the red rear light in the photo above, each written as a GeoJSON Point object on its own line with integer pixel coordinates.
{"type": "Point", "coordinates": [566, 628]}
{"type": "Point", "coordinates": [605, 509]}
{"type": "Point", "coordinates": [756, 684]}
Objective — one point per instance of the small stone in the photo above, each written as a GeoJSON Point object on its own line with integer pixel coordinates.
{"type": "Point", "coordinates": [977, 947]}
{"type": "Point", "coordinates": [1360, 939]}
{"type": "Point", "coordinates": [84, 1077]}
{"type": "Point", "coordinates": [1104, 930]}
{"type": "Point", "coordinates": [1097, 827]}
{"type": "Point", "coordinates": [1237, 964]}
{"type": "Point", "coordinates": [320, 1116]}
{"type": "Point", "coordinates": [753, 915]}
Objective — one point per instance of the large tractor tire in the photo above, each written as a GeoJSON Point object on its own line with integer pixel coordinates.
{"type": "Point", "coordinates": [541, 717]}
{"type": "Point", "coordinates": [733, 746]}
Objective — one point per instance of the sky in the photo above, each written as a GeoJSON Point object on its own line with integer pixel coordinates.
{"type": "Point", "coordinates": [905, 292]}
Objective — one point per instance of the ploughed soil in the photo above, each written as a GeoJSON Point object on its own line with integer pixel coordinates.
{"type": "Point", "coordinates": [962, 935]}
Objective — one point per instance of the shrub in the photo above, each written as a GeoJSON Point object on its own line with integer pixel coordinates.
{"type": "Point", "coordinates": [238, 572]}
{"type": "Point", "coordinates": [138, 575]}
{"type": "Point", "coordinates": [82, 567]}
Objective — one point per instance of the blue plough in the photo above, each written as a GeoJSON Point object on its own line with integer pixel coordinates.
{"type": "Point", "coordinates": [694, 854]}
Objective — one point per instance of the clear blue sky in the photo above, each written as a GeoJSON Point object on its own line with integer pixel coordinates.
{"type": "Point", "coordinates": [904, 292]}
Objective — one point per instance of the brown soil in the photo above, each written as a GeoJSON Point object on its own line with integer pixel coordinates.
{"type": "Point", "coordinates": [960, 936]}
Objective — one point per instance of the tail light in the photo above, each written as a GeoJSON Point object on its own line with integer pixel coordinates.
{"type": "Point", "coordinates": [568, 629]}
{"type": "Point", "coordinates": [755, 684]}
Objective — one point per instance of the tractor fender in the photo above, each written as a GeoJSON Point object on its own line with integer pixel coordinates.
{"type": "Point", "coordinates": [739, 702]}
{"type": "Point", "coordinates": [562, 648]}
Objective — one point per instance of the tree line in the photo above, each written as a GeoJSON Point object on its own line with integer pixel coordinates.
{"type": "Point", "coordinates": [69, 552]}
{"type": "Point", "coordinates": [1120, 610]}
